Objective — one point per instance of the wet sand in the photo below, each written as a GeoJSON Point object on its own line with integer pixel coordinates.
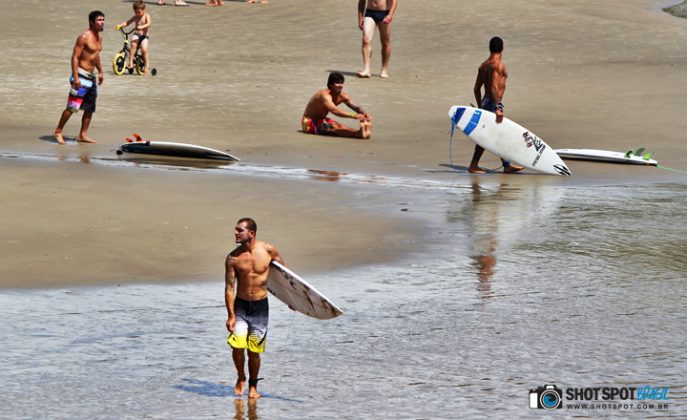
{"type": "Point", "coordinates": [582, 75]}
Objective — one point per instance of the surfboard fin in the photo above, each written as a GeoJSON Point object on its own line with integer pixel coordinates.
{"type": "Point", "coordinates": [137, 137]}
{"type": "Point", "coordinates": [628, 154]}
{"type": "Point", "coordinates": [639, 151]}
{"type": "Point", "coordinates": [647, 156]}
{"type": "Point", "coordinates": [128, 140]}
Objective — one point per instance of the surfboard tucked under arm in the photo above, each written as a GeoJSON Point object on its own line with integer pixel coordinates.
{"type": "Point", "coordinates": [291, 289]}
{"type": "Point", "coordinates": [508, 140]}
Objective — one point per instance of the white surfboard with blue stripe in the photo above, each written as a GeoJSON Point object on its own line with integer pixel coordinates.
{"type": "Point", "coordinates": [508, 140]}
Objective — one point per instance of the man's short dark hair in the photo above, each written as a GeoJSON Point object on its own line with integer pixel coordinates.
{"type": "Point", "coordinates": [335, 77]}
{"type": "Point", "coordinates": [95, 15]}
{"type": "Point", "coordinates": [250, 224]}
{"type": "Point", "coordinates": [495, 45]}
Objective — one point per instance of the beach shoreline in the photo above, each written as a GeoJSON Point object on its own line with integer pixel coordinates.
{"type": "Point", "coordinates": [247, 97]}
{"type": "Point", "coordinates": [463, 295]}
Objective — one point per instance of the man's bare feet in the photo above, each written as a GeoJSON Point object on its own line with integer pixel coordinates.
{"type": "Point", "coordinates": [512, 169]}
{"type": "Point", "coordinates": [363, 74]}
{"type": "Point", "coordinates": [253, 393]}
{"type": "Point", "coordinates": [240, 386]}
{"type": "Point", "coordinates": [251, 1]}
{"type": "Point", "coordinates": [477, 170]}
{"type": "Point", "coordinates": [384, 74]}
{"type": "Point", "coordinates": [85, 139]}
{"type": "Point", "coordinates": [161, 2]}
{"type": "Point", "coordinates": [59, 138]}
{"type": "Point", "coordinates": [365, 130]}
{"type": "Point", "coordinates": [180, 3]}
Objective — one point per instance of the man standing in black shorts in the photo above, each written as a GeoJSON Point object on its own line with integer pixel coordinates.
{"type": "Point", "coordinates": [84, 86]}
{"type": "Point", "coordinates": [492, 76]}
{"type": "Point", "coordinates": [246, 271]}
{"type": "Point", "coordinates": [372, 13]}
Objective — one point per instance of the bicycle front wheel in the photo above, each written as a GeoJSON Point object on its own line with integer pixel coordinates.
{"type": "Point", "coordinates": [119, 63]}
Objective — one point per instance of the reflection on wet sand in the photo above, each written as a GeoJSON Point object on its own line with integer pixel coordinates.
{"type": "Point", "coordinates": [320, 175]}
{"type": "Point", "coordinates": [484, 228]}
{"type": "Point", "coordinates": [239, 406]}
{"type": "Point", "coordinates": [500, 218]}
{"type": "Point", "coordinates": [173, 161]}
{"type": "Point", "coordinates": [84, 156]}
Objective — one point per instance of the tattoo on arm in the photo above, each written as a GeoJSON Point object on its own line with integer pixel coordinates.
{"type": "Point", "coordinates": [229, 283]}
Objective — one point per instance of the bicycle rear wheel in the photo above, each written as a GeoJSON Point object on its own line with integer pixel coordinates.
{"type": "Point", "coordinates": [139, 64]}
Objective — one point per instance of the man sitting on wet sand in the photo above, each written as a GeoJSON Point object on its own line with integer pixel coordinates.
{"type": "Point", "coordinates": [315, 120]}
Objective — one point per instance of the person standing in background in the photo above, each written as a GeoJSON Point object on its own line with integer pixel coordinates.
{"type": "Point", "coordinates": [371, 14]}
{"type": "Point", "coordinates": [84, 82]}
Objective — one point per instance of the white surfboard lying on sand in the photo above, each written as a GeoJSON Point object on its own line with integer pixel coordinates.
{"type": "Point", "coordinates": [632, 157]}
{"type": "Point", "coordinates": [169, 148]}
{"type": "Point", "coordinates": [288, 287]}
{"type": "Point", "coordinates": [508, 140]}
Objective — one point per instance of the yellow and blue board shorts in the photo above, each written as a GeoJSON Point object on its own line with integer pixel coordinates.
{"type": "Point", "coordinates": [251, 325]}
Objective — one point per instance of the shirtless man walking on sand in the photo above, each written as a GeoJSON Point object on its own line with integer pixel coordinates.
{"type": "Point", "coordinates": [492, 75]}
{"type": "Point", "coordinates": [84, 87]}
{"type": "Point", "coordinates": [315, 121]}
{"type": "Point", "coordinates": [245, 295]}
{"type": "Point", "coordinates": [371, 14]}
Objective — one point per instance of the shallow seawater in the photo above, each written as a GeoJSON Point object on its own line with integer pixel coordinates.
{"type": "Point", "coordinates": [514, 287]}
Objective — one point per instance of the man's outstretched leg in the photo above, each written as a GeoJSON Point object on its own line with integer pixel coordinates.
{"type": "Point", "coordinates": [340, 130]}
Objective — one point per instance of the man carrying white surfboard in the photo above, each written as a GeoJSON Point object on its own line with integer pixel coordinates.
{"type": "Point", "coordinates": [492, 75]}
{"type": "Point", "coordinates": [245, 292]}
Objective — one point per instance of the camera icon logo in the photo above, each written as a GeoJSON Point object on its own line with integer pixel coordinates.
{"type": "Point", "coordinates": [549, 397]}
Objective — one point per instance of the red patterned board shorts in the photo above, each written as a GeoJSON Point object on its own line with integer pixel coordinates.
{"type": "Point", "coordinates": [318, 126]}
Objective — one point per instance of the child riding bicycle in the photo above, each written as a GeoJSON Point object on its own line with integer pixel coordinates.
{"type": "Point", "coordinates": [143, 22]}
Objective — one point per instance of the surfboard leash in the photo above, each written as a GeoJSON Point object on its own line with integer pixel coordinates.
{"type": "Point", "coordinates": [450, 142]}
{"type": "Point", "coordinates": [672, 169]}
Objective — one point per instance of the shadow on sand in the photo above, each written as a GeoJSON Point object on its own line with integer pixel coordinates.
{"type": "Point", "coordinates": [211, 389]}
{"type": "Point", "coordinates": [51, 138]}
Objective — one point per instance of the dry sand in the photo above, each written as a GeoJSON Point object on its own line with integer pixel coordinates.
{"type": "Point", "coordinates": [583, 74]}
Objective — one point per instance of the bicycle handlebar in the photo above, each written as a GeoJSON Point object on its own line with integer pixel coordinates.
{"type": "Point", "coordinates": [125, 33]}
